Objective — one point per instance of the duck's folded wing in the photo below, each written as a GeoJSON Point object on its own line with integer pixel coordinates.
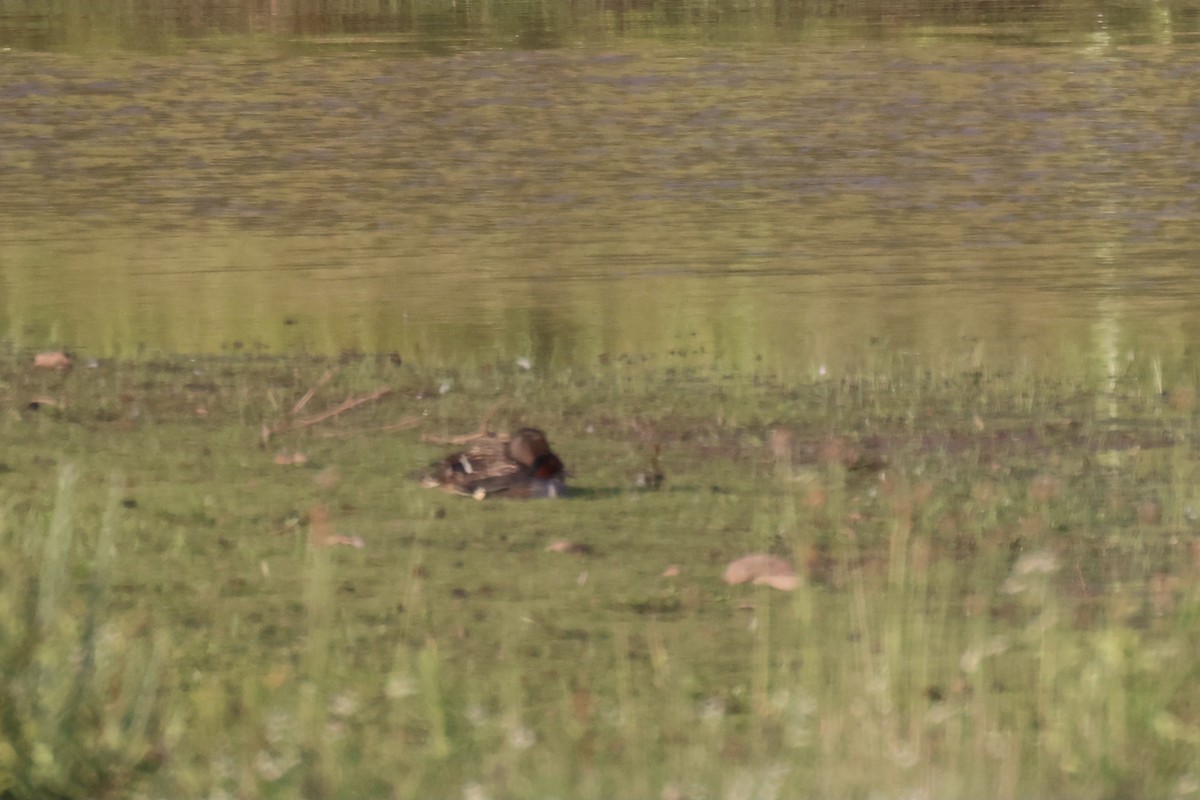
{"type": "Point", "coordinates": [483, 465]}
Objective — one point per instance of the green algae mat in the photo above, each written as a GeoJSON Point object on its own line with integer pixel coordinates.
{"type": "Point", "coordinates": [221, 578]}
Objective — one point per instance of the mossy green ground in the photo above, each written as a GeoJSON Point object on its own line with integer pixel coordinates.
{"type": "Point", "coordinates": [998, 594]}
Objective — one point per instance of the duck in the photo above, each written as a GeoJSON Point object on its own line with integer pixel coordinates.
{"type": "Point", "coordinates": [520, 464]}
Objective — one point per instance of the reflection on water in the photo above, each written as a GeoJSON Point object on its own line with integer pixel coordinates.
{"type": "Point", "coordinates": [447, 27]}
{"type": "Point", "coordinates": [785, 203]}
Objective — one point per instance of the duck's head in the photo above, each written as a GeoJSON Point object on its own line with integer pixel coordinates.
{"type": "Point", "coordinates": [529, 448]}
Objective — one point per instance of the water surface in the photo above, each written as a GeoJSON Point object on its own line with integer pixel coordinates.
{"type": "Point", "coordinates": [792, 201]}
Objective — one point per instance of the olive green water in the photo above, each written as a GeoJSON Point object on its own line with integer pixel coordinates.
{"type": "Point", "coordinates": [790, 194]}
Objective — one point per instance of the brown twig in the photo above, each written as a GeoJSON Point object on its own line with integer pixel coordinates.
{"type": "Point", "coordinates": [481, 432]}
{"type": "Point", "coordinates": [487, 417]}
{"type": "Point", "coordinates": [349, 403]}
{"type": "Point", "coordinates": [303, 401]}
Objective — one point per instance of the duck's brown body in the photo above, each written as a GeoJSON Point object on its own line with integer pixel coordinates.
{"type": "Point", "coordinates": [520, 465]}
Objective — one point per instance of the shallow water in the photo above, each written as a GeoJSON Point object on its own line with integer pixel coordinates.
{"type": "Point", "coordinates": [796, 201]}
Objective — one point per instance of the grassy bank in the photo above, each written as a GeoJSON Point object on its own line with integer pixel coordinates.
{"type": "Point", "coordinates": [998, 593]}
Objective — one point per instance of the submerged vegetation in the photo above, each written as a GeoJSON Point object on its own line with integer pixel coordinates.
{"type": "Point", "coordinates": [996, 596]}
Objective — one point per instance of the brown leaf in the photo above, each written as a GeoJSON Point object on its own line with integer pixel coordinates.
{"type": "Point", "coordinates": [52, 360]}
{"type": "Point", "coordinates": [671, 571]}
{"type": "Point", "coordinates": [838, 450]}
{"type": "Point", "coordinates": [564, 546]}
{"type": "Point", "coordinates": [288, 458]}
{"type": "Point", "coordinates": [1045, 488]}
{"type": "Point", "coordinates": [581, 705]}
{"type": "Point", "coordinates": [1149, 512]}
{"type": "Point", "coordinates": [319, 527]}
{"type": "Point", "coordinates": [1164, 591]}
{"type": "Point", "coordinates": [784, 583]}
{"type": "Point", "coordinates": [779, 445]}
{"type": "Point", "coordinates": [277, 676]}
{"type": "Point", "coordinates": [320, 530]}
{"type": "Point", "coordinates": [1182, 398]}
{"type": "Point", "coordinates": [763, 569]}
{"type": "Point", "coordinates": [327, 478]}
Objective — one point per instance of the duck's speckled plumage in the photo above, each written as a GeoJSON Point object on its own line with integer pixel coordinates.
{"type": "Point", "coordinates": [520, 465]}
